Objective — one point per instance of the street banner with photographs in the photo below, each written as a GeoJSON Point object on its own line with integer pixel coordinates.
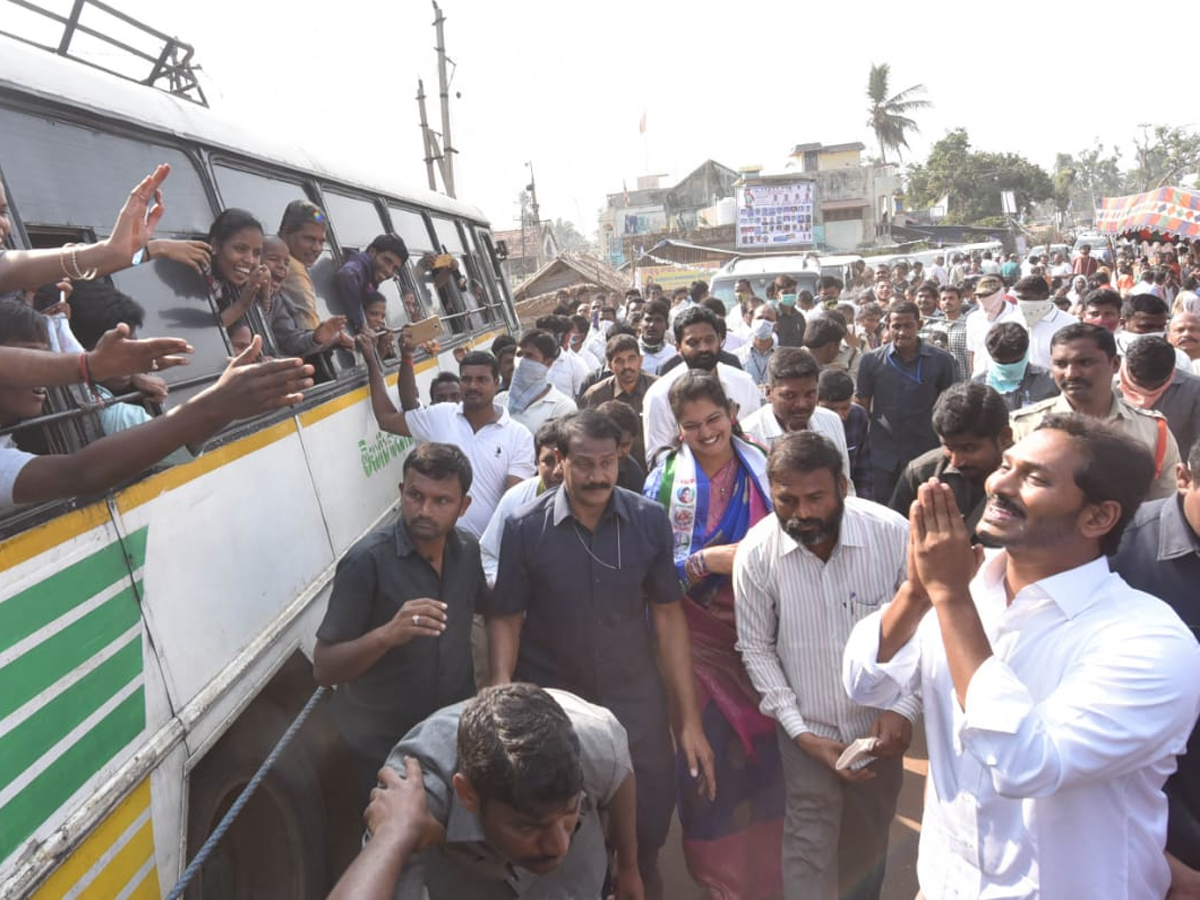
{"type": "Point", "coordinates": [777, 215]}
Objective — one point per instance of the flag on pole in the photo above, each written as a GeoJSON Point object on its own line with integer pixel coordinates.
{"type": "Point", "coordinates": [642, 124]}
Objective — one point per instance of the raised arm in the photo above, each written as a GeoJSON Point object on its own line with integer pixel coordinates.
{"type": "Point", "coordinates": [30, 269]}
{"type": "Point", "coordinates": [386, 415]}
{"type": "Point", "coordinates": [244, 390]}
{"type": "Point", "coordinates": [115, 356]}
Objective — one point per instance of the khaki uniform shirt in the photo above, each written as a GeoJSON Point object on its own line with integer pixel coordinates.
{"type": "Point", "coordinates": [1139, 424]}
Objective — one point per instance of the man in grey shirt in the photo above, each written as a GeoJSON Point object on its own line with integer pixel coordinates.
{"type": "Point", "coordinates": [518, 778]}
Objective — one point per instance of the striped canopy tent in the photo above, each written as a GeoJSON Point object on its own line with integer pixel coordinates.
{"type": "Point", "coordinates": [1168, 213]}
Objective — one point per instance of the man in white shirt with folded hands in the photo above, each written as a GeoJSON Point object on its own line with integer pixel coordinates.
{"type": "Point", "coordinates": [1056, 696]}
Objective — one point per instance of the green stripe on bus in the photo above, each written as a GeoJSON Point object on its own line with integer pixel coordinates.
{"type": "Point", "coordinates": [25, 744]}
{"type": "Point", "coordinates": [46, 793]}
{"type": "Point", "coordinates": [40, 604]}
{"type": "Point", "coordinates": [31, 673]}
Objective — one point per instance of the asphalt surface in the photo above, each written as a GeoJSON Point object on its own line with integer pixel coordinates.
{"type": "Point", "coordinates": [900, 883]}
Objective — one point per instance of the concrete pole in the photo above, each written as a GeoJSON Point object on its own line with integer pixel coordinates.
{"type": "Point", "coordinates": [448, 151]}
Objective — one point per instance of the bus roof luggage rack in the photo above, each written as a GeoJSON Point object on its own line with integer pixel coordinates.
{"type": "Point", "coordinates": [172, 69]}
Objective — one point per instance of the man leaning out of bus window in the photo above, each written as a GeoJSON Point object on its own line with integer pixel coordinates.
{"type": "Point", "coordinates": [290, 336]}
{"type": "Point", "coordinates": [362, 273]}
{"type": "Point", "coordinates": [244, 389]}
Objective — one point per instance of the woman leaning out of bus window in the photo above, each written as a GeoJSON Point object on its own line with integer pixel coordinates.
{"type": "Point", "coordinates": [237, 277]}
{"type": "Point", "coordinates": [245, 295]}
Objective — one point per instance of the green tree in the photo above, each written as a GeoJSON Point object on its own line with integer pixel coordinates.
{"type": "Point", "coordinates": [889, 117]}
{"type": "Point", "coordinates": [1164, 156]}
{"type": "Point", "coordinates": [973, 181]}
{"type": "Point", "coordinates": [567, 235]}
{"type": "Point", "coordinates": [1097, 175]}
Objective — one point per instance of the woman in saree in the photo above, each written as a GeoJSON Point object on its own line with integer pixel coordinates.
{"type": "Point", "coordinates": [714, 486]}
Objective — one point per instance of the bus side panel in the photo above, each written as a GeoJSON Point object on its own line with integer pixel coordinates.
{"type": "Point", "coordinates": [74, 672]}
{"type": "Point", "coordinates": [355, 466]}
{"type": "Point", "coordinates": [233, 539]}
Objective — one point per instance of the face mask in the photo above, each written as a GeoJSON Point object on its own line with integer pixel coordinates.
{"type": "Point", "coordinates": [605, 326]}
{"type": "Point", "coordinates": [1006, 377]}
{"type": "Point", "coordinates": [1035, 310]}
{"type": "Point", "coordinates": [787, 299]}
{"type": "Point", "coordinates": [1126, 339]}
{"type": "Point", "coordinates": [762, 329]}
{"type": "Point", "coordinates": [529, 380]}
{"type": "Point", "coordinates": [991, 304]}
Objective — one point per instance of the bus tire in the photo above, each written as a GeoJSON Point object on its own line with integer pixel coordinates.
{"type": "Point", "coordinates": [277, 846]}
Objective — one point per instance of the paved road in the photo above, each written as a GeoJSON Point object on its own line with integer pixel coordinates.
{"type": "Point", "coordinates": [901, 880]}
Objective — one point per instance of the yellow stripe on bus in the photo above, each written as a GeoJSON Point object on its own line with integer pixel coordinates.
{"type": "Point", "coordinates": [148, 889]}
{"type": "Point", "coordinates": [86, 855]}
{"type": "Point", "coordinates": [122, 868]}
{"type": "Point", "coordinates": [49, 535]}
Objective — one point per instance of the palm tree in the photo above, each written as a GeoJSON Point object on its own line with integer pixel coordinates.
{"type": "Point", "coordinates": [889, 118]}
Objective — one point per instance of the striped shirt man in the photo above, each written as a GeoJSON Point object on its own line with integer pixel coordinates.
{"type": "Point", "coordinates": [795, 614]}
{"type": "Point", "coordinates": [796, 605]}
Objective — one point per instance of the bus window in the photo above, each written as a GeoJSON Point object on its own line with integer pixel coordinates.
{"type": "Point", "coordinates": [179, 307]}
{"type": "Point", "coordinates": [493, 267]}
{"type": "Point", "coordinates": [411, 227]}
{"type": "Point", "coordinates": [39, 153]}
{"type": "Point", "coordinates": [466, 315]}
{"type": "Point", "coordinates": [424, 300]}
{"type": "Point", "coordinates": [263, 197]}
{"type": "Point", "coordinates": [355, 221]}
{"type": "Point", "coordinates": [63, 175]}
{"type": "Point", "coordinates": [482, 288]}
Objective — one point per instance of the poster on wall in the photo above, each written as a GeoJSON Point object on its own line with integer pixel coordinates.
{"type": "Point", "coordinates": [771, 216]}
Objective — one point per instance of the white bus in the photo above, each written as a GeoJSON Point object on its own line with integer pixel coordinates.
{"type": "Point", "coordinates": [155, 641]}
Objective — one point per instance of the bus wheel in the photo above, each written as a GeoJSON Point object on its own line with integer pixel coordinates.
{"type": "Point", "coordinates": [276, 848]}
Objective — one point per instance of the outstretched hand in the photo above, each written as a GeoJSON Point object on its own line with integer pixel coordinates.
{"type": "Point", "coordinates": [247, 388]}
{"type": "Point", "coordinates": [116, 356]}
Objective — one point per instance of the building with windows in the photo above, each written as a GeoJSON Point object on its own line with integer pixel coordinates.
{"type": "Point", "coordinates": [650, 211]}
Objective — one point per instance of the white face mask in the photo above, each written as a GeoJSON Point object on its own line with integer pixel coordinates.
{"type": "Point", "coordinates": [1126, 339]}
{"type": "Point", "coordinates": [762, 329]}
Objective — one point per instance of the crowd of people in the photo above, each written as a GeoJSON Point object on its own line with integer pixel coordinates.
{"type": "Point", "coordinates": [656, 557]}
{"type": "Point", "coordinates": [753, 547]}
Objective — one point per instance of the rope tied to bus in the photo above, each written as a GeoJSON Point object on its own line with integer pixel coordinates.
{"type": "Point", "coordinates": [244, 797]}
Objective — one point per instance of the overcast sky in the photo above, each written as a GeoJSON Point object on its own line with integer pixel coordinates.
{"type": "Point", "coordinates": [565, 84]}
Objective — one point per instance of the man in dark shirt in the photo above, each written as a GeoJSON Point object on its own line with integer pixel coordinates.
{"type": "Point", "coordinates": [363, 272]}
{"type": "Point", "coordinates": [628, 384]}
{"type": "Point", "coordinates": [789, 321]}
{"type": "Point", "coordinates": [835, 391]}
{"type": "Point", "coordinates": [1149, 379]}
{"type": "Point", "coordinates": [898, 384]}
{"type": "Point", "coordinates": [1160, 554]}
{"type": "Point", "coordinates": [971, 422]}
{"type": "Point", "coordinates": [585, 571]}
{"type": "Point", "coordinates": [396, 636]}
{"type": "Point", "coordinates": [1010, 373]}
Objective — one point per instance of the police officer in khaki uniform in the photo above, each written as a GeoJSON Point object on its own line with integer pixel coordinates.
{"type": "Point", "coordinates": [1083, 361]}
